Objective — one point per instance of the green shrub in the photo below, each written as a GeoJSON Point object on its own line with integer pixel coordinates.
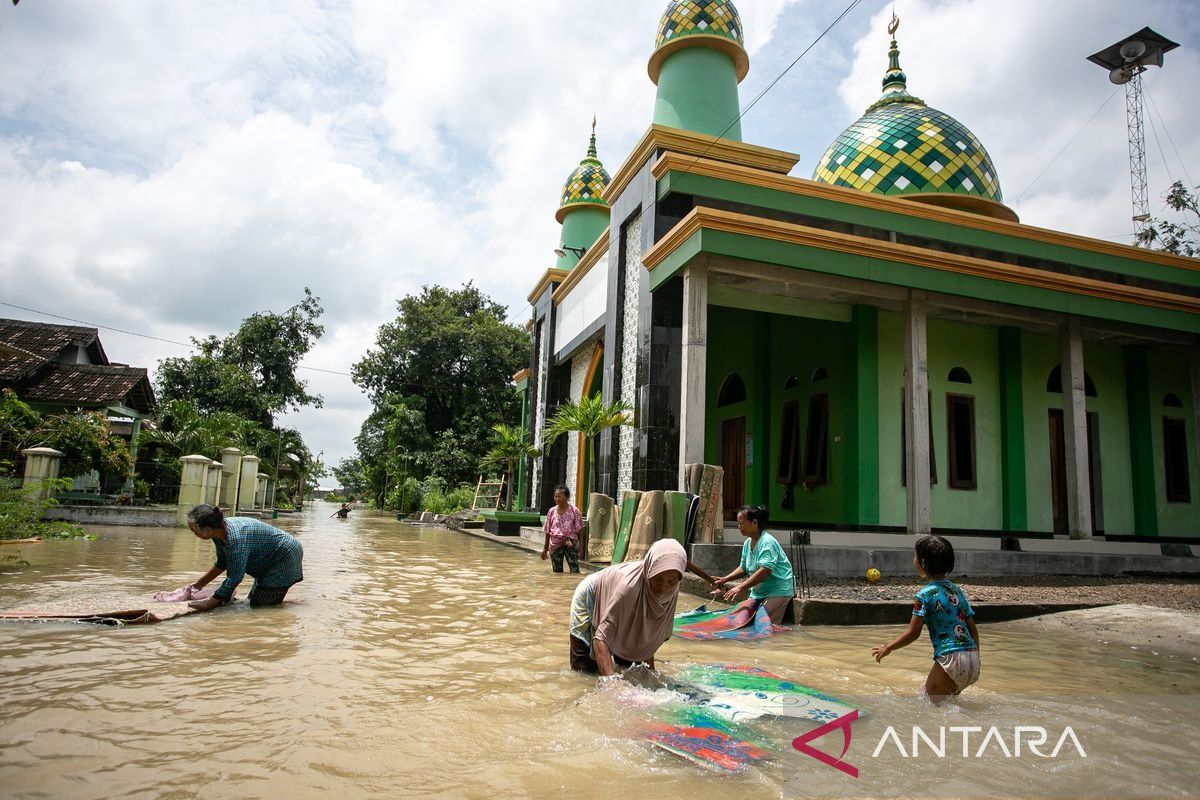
{"type": "Point", "coordinates": [21, 513]}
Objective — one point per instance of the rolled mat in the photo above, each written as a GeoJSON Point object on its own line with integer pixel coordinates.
{"type": "Point", "coordinates": [675, 508]}
{"type": "Point", "coordinates": [629, 506]}
{"type": "Point", "coordinates": [647, 525]}
{"type": "Point", "coordinates": [706, 481]}
{"type": "Point", "coordinates": [602, 527]}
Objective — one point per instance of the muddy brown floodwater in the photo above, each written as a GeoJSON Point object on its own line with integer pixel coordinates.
{"type": "Point", "coordinates": [423, 663]}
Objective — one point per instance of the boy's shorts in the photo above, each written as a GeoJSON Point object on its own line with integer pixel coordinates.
{"type": "Point", "coordinates": [962, 666]}
{"type": "Point", "coordinates": [570, 551]}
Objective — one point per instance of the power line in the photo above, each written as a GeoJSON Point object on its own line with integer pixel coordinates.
{"type": "Point", "coordinates": [189, 346]}
{"type": "Point", "coordinates": [1068, 144]}
{"type": "Point", "coordinates": [1166, 130]}
{"type": "Point", "coordinates": [772, 84]}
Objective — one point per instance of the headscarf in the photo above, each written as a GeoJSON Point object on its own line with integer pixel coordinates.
{"type": "Point", "coordinates": [628, 617]}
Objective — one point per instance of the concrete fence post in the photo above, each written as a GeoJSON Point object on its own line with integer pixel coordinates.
{"type": "Point", "coordinates": [231, 467]}
{"type": "Point", "coordinates": [191, 485]}
{"type": "Point", "coordinates": [260, 491]}
{"type": "Point", "coordinates": [249, 483]}
{"type": "Point", "coordinates": [41, 463]}
{"type": "Point", "coordinates": [212, 493]}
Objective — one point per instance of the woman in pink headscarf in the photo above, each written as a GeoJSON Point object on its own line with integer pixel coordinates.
{"type": "Point", "coordinates": [621, 615]}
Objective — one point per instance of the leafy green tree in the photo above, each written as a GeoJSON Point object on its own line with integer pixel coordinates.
{"type": "Point", "coordinates": [590, 416]}
{"type": "Point", "coordinates": [440, 378]}
{"type": "Point", "coordinates": [251, 372]}
{"type": "Point", "coordinates": [509, 449]}
{"type": "Point", "coordinates": [22, 507]}
{"type": "Point", "coordinates": [86, 444]}
{"type": "Point", "coordinates": [1181, 238]}
{"type": "Point", "coordinates": [19, 425]}
{"type": "Point", "coordinates": [349, 474]}
{"type": "Point", "coordinates": [183, 430]}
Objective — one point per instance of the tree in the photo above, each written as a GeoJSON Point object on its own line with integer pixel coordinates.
{"type": "Point", "coordinates": [1181, 238]}
{"type": "Point", "coordinates": [439, 377]}
{"type": "Point", "coordinates": [509, 450]}
{"type": "Point", "coordinates": [19, 425]}
{"type": "Point", "coordinates": [86, 444]}
{"type": "Point", "coordinates": [349, 474]}
{"type": "Point", "coordinates": [251, 372]}
{"type": "Point", "coordinates": [183, 431]}
{"type": "Point", "coordinates": [590, 416]}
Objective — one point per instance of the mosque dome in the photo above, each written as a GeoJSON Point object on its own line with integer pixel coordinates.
{"type": "Point", "coordinates": [711, 23]}
{"type": "Point", "coordinates": [902, 147]}
{"type": "Point", "coordinates": [586, 184]}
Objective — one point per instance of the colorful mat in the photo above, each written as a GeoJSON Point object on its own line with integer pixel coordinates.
{"type": "Point", "coordinates": [629, 507]}
{"type": "Point", "coordinates": [707, 482]}
{"type": "Point", "coordinates": [675, 514]}
{"type": "Point", "coordinates": [742, 693]}
{"type": "Point", "coordinates": [745, 621]}
{"type": "Point", "coordinates": [647, 525]}
{"type": "Point", "coordinates": [602, 527]}
{"type": "Point", "coordinates": [705, 745]}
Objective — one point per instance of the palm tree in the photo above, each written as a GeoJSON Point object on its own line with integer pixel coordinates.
{"type": "Point", "coordinates": [509, 449]}
{"type": "Point", "coordinates": [589, 417]}
{"type": "Point", "coordinates": [185, 431]}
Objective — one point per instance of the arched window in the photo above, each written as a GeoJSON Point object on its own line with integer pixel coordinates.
{"type": "Point", "coordinates": [791, 383]}
{"type": "Point", "coordinates": [819, 374]}
{"type": "Point", "coordinates": [733, 390]}
{"type": "Point", "coordinates": [1172, 401]}
{"type": "Point", "coordinates": [1054, 382]}
{"type": "Point", "coordinates": [959, 375]}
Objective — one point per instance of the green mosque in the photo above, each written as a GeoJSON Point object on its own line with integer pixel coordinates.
{"type": "Point", "coordinates": [880, 348]}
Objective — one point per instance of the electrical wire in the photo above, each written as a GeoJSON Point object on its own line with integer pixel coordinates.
{"type": "Point", "coordinates": [771, 85]}
{"type": "Point", "coordinates": [1068, 144]}
{"type": "Point", "coordinates": [1167, 131]}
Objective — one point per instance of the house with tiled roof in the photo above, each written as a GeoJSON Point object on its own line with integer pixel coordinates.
{"type": "Point", "coordinates": [58, 367]}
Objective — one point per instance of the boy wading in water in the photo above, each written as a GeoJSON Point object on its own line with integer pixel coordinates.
{"type": "Point", "coordinates": [563, 525]}
{"type": "Point", "coordinates": [944, 607]}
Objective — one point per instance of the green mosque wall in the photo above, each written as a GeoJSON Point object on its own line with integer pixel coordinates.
{"type": "Point", "coordinates": [1170, 373]}
{"type": "Point", "coordinates": [581, 227]}
{"type": "Point", "coordinates": [1105, 364]}
{"type": "Point", "coordinates": [864, 359]}
{"type": "Point", "coordinates": [697, 91]}
{"type": "Point", "coordinates": [949, 345]}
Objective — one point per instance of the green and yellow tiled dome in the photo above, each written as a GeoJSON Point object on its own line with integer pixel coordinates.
{"type": "Point", "coordinates": [903, 147]}
{"type": "Point", "coordinates": [714, 23]}
{"type": "Point", "coordinates": [586, 184]}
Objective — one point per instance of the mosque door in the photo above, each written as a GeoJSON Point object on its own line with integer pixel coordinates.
{"type": "Point", "coordinates": [1058, 471]}
{"type": "Point", "coordinates": [733, 461]}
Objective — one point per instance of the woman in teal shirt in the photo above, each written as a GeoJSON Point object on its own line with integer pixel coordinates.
{"type": "Point", "coordinates": [771, 581]}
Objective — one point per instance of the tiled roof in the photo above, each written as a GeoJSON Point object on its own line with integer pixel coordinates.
{"type": "Point", "coordinates": [43, 342]}
{"type": "Point", "coordinates": [91, 385]}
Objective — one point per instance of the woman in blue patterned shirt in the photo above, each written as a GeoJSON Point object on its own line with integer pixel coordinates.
{"type": "Point", "coordinates": [246, 546]}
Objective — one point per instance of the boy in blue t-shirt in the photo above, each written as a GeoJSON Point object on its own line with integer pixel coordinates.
{"type": "Point", "coordinates": [944, 607]}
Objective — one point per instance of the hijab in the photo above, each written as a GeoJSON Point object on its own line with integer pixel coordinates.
{"type": "Point", "coordinates": [628, 617]}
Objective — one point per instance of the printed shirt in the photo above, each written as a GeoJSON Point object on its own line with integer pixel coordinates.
{"type": "Point", "coordinates": [768, 554]}
{"type": "Point", "coordinates": [563, 528]}
{"type": "Point", "coordinates": [583, 605]}
{"type": "Point", "coordinates": [252, 547]}
{"type": "Point", "coordinates": [945, 610]}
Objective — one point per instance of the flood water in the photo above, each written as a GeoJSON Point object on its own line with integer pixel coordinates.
{"type": "Point", "coordinates": [423, 663]}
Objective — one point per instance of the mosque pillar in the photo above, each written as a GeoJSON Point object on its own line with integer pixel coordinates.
{"type": "Point", "coordinates": [694, 363]}
{"type": "Point", "coordinates": [1012, 431]}
{"type": "Point", "coordinates": [1079, 496]}
{"type": "Point", "coordinates": [916, 416]}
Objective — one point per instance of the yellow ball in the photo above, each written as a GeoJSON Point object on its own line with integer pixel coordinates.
{"type": "Point", "coordinates": [873, 575]}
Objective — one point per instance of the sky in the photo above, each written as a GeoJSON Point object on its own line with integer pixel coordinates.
{"type": "Point", "coordinates": [169, 167]}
